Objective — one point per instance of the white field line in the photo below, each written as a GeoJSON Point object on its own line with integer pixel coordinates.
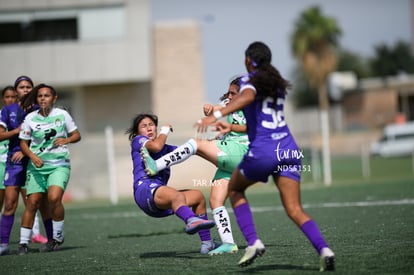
{"type": "Point", "coordinates": [265, 209]}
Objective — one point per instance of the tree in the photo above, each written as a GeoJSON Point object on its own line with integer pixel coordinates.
{"type": "Point", "coordinates": [302, 94]}
{"type": "Point", "coordinates": [350, 61]}
{"type": "Point", "coordinates": [392, 60]}
{"type": "Point", "coordinates": [314, 41]}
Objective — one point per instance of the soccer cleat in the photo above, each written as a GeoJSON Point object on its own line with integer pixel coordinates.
{"type": "Point", "coordinates": [4, 249]}
{"type": "Point", "coordinates": [50, 246]}
{"type": "Point", "coordinates": [327, 261]}
{"type": "Point", "coordinates": [23, 249]}
{"type": "Point", "coordinates": [224, 249]}
{"type": "Point", "coordinates": [251, 253]}
{"type": "Point", "coordinates": [149, 162]}
{"type": "Point", "coordinates": [207, 246]}
{"type": "Point", "coordinates": [196, 224]}
{"type": "Point", "coordinates": [39, 239]}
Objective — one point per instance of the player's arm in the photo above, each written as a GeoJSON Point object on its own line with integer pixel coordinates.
{"type": "Point", "coordinates": [224, 127]}
{"type": "Point", "coordinates": [155, 145]}
{"type": "Point", "coordinates": [239, 102]}
{"type": "Point", "coordinates": [238, 128]}
{"type": "Point", "coordinates": [5, 135]}
{"type": "Point", "coordinates": [236, 104]}
{"type": "Point", "coordinates": [72, 137]}
{"type": "Point", "coordinates": [24, 146]}
{"type": "Point", "coordinates": [208, 108]}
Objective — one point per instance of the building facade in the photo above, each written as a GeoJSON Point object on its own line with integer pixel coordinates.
{"type": "Point", "coordinates": [108, 63]}
{"type": "Point", "coordinates": [96, 53]}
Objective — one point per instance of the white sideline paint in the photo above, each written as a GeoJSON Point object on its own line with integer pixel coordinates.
{"type": "Point", "coordinates": [265, 209]}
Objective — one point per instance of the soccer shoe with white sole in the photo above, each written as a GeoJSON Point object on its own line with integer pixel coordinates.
{"type": "Point", "coordinates": [225, 248]}
{"type": "Point", "coordinates": [251, 253]}
{"type": "Point", "coordinates": [207, 246]}
{"type": "Point", "coordinates": [196, 224]}
{"type": "Point", "coordinates": [149, 162]}
{"type": "Point", "coordinates": [4, 249]}
{"type": "Point", "coordinates": [327, 261]}
{"type": "Point", "coordinates": [50, 246]}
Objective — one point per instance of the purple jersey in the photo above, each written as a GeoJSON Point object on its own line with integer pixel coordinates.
{"type": "Point", "coordinates": [11, 117]}
{"type": "Point", "coordinates": [144, 185]}
{"type": "Point", "coordinates": [138, 163]}
{"type": "Point", "coordinates": [272, 147]}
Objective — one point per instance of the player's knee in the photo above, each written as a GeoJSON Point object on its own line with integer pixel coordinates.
{"type": "Point", "coordinates": [294, 213]}
{"type": "Point", "coordinates": [200, 198]}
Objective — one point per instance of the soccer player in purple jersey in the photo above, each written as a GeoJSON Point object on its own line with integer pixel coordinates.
{"type": "Point", "coordinates": [152, 194]}
{"type": "Point", "coordinates": [225, 153]}
{"type": "Point", "coordinates": [15, 176]}
{"type": "Point", "coordinates": [271, 147]}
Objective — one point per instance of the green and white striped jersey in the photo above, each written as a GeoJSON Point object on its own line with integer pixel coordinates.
{"type": "Point", "coordinates": [4, 148]}
{"type": "Point", "coordinates": [238, 118]}
{"type": "Point", "coordinates": [43, 131]}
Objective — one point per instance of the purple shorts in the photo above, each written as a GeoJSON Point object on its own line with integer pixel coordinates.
{"type": "Point", "coordinates": [272, 158]}
{"type": "Point", "coordinates": [15, 174]}
{"type": "Point", "coordinates": [144, 198]}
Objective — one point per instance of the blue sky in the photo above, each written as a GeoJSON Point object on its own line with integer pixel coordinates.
{"type": "Point", "coordinates": [228, 26]}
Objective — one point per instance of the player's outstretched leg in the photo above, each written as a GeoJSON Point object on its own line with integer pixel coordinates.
{"type": "Point", "coordinates": [149, 162]}
{"type": "Point", "coordinates": [195, 224]}
{"type": "Point", "coordinates": [225, 248]}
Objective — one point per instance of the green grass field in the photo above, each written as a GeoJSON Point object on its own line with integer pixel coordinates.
{"type": "Point", "coordinates": [368, 223]}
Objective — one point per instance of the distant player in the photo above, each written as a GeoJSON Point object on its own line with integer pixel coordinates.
{"type": "Point", "coordinates": [271, 146]}
{"type": "Point", "coordinates": [8, 96]}
{"type": "Point", "coordinates": [44, 138]}
{"type": "Point", "coordinates": [15, 175]}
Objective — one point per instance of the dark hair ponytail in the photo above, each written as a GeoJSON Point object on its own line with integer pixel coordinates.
{"type": "Point", "coordinates": [266, 78]}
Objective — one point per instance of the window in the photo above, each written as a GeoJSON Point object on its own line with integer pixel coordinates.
{"type": "Point", "coordinates": [39, 30]}
{"type": "Point", "coordinates": [66, 24]}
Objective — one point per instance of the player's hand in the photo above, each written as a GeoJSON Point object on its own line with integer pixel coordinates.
{"type": "Point", "coordinates": [37, 161]}
{"type": "Point", "coordinates": [208, 109]}
{"type": "Point", "coordinates": [17, 157]}
{"type": "Point", "coordinates": [223, 127]}
{"type": "Point", "coordinates": [60, 141]}
{"type": "Point", "coordinates": [202, 124]}
{"type": "Point", "coordinates": [166, 129]}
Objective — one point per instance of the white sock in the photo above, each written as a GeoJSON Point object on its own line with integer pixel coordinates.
{"type": "Point", "coordinates": [36, 228]}
{"type": "Point", "coordinates": [58, 230]}
{"type": "Point", "coordinates": [179, 155]}
{"type": "Point", "coordinates": [25, 235]}
{"type": "Point", "coordinates": [222, 219]}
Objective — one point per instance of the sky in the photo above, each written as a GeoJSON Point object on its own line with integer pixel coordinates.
{"type": "Point", "coordinates": [229, 26]}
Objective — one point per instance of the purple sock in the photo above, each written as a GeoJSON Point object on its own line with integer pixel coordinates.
{"type": "Point", "coordinates": [49, 229]}
{"type": "Point", "coordinates": [244, 218]}
{"type": "Point", "coordinates": [6, 225]}
{"type": "Point", "coordinates": [184, 213]}
{"type": "Point", "coordinates": [204, 233]}
{"type": "Point", "coordinates": [311, 231]}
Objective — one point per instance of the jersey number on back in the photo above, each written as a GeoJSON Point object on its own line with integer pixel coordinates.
{"type": "Point", "coordinates": [277, 119]}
